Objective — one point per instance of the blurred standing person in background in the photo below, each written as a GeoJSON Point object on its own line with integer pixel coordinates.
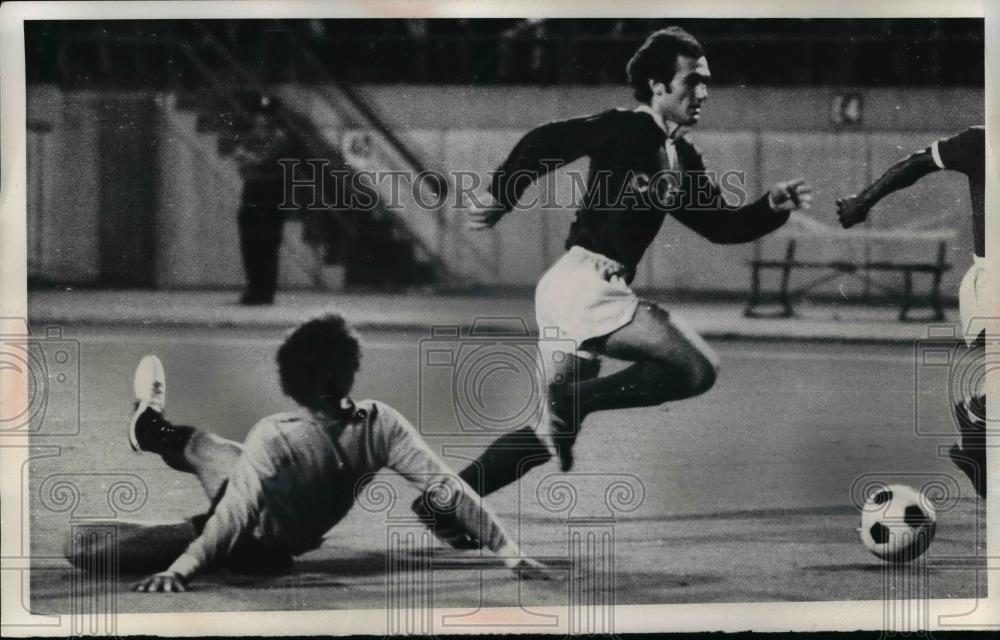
{"type": "Point", "coordinates": [260, 219]}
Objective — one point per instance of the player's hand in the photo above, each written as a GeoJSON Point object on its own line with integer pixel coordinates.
{"type": "Point", "coordinates": [483, 217]}
{"type": "Point", "coordinates": [530, 569]}
{"type": "Point", "coordinates": [791, 196]}
{"type": "Point", "coordinates": [851, 211]}
{"type": "Point", "coordinates": [163, 582]}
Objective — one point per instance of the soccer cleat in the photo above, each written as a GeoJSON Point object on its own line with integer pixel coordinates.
{"type": "Point", "coordinates": [150, 383]}
{"type": "Point", "coordinates": [444, 526]}
{"type": "Point", "coordinates": [150, 387]}
{"type": "Point", "coordinates": [563, 430]}
{"type": "Point", "coordinates": [564, 414]}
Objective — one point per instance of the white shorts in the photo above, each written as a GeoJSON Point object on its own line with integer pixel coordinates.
{"type": "Point", "coordinates": [972, 300]}
{"type": "Point", "coordinates": [584, 295]}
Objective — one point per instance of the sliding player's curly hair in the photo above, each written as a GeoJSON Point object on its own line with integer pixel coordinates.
{"type": "Point", "coordinates": [657, 59]}
{"type": "Point", "coordinates": [317, 362]}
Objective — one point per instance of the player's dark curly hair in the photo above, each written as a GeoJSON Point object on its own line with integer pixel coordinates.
{"type": "Point", "coordinates": [657, 59]}
{"type": "Point", "coordinates": [317, 362]}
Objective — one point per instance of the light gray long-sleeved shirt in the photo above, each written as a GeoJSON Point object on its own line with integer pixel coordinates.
{"type": "Point", "coordinates": [300, 473]}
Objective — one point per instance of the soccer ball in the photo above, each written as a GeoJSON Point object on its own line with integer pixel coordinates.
{"type": "Point", "coordinates": [897, 523]}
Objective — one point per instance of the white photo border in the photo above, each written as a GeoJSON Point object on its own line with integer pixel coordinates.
{"type": "Point", "coordinates": [851, 615]}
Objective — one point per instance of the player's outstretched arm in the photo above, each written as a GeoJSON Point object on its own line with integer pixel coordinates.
{"type": "Point", "coordinates": [235, 513]}
{"type": "Point", "coordinates": [854, 209]}
{"type": "Point", "coordinates": [722, 224]}
{"type": "Point", "coordinates": [409, 455]}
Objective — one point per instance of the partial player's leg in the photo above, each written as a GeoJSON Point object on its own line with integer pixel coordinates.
{"type": "Point", "coordinates": [969, 454]}
{"type": "Point", "coordinates": [182, 447]}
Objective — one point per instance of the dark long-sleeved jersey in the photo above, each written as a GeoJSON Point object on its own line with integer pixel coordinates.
{"type": "Point", "coordinates": [966, 152]}
{"type": "Point", "coordinates": [631, 186]}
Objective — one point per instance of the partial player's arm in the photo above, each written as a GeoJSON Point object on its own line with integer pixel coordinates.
{"type": "Point", "coordinates": [541, 150]}
{"type": "Point", "coordinates": [409, 455]}
{"type": "Point", "coordinates": [235, 513]}
{"type": "Point", "coordinates": [959, 152]}
{"type": "Point", "coordinates": [854, 209]}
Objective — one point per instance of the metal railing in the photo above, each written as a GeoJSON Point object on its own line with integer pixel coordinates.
{"type": "Point", "coordinates": [316, 142]}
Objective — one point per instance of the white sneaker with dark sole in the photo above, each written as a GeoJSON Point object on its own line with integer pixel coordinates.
{"type": "Point", "coordinates": [150, 386]}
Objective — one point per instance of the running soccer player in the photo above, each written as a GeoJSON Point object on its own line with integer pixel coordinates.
{"type": "Point", "coordinates": [642, 168]}
{"type": "Point", "coordinates": [295, 476]}
{"type": "Point", "coordinates": [964, 152]}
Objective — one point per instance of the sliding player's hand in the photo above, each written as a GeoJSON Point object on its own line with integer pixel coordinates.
{"type": "Point", "coordinates": [480, 217]}
{"type": "Point", "coordinates": [850, 211]}
{"type": "Point", "coordinates": [791, 196]}
{"type": "Point", "coordinates": [163, 582]}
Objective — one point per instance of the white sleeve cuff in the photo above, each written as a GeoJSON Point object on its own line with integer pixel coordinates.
{"type": "Point", "coordinates": [185, 565]}
{"type": "Point", "coordinates": [771, 203]}
{"type": "Point", "coordinates": [936, 155]}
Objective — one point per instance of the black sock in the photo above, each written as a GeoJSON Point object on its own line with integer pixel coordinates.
{"type": "Point", "coordinates": [158, 435]}
{"type": "Point", "coordinates": [971, 416]}
{"type": "Point", "coordinates": [644, 384]}
{"type": "Point", "coordinates": [509, 457]}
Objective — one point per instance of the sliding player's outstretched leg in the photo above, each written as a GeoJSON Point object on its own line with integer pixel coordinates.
{"type": "Point", "coordinates": [137, 546]}
{"type": "Point", "coordinates": [142, 547]}
{"type": "Point", "coordinates": [182, 447]}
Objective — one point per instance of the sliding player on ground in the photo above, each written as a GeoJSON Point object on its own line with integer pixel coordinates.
{"type": "Point", "coordinates": [964, 152]}
{"type": "Point", "coordinates": [642, 168]}
{"type": "Point", "coordinates": [296, 475]}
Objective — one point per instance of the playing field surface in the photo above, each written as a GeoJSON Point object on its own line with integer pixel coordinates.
{"type": "Point", "coordinates": [741, 495]}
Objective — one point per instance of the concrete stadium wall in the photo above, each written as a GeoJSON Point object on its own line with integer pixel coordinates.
{"type": "Point", "coordinates": [770, 134]}
{"type": "Point", "coordinates": [123, 191]}
{"type": "Point", "coordinates": [63, 187]}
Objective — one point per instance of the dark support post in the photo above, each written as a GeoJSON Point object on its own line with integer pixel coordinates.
{"type": "Point", "coordinates": [786, 272]}
{"type": "Point", "coordinates": [754, 290]}
{"type": "Point", "coordinates": [907, 293]}
{"type": "Point", "coordinates": [939, 270]}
